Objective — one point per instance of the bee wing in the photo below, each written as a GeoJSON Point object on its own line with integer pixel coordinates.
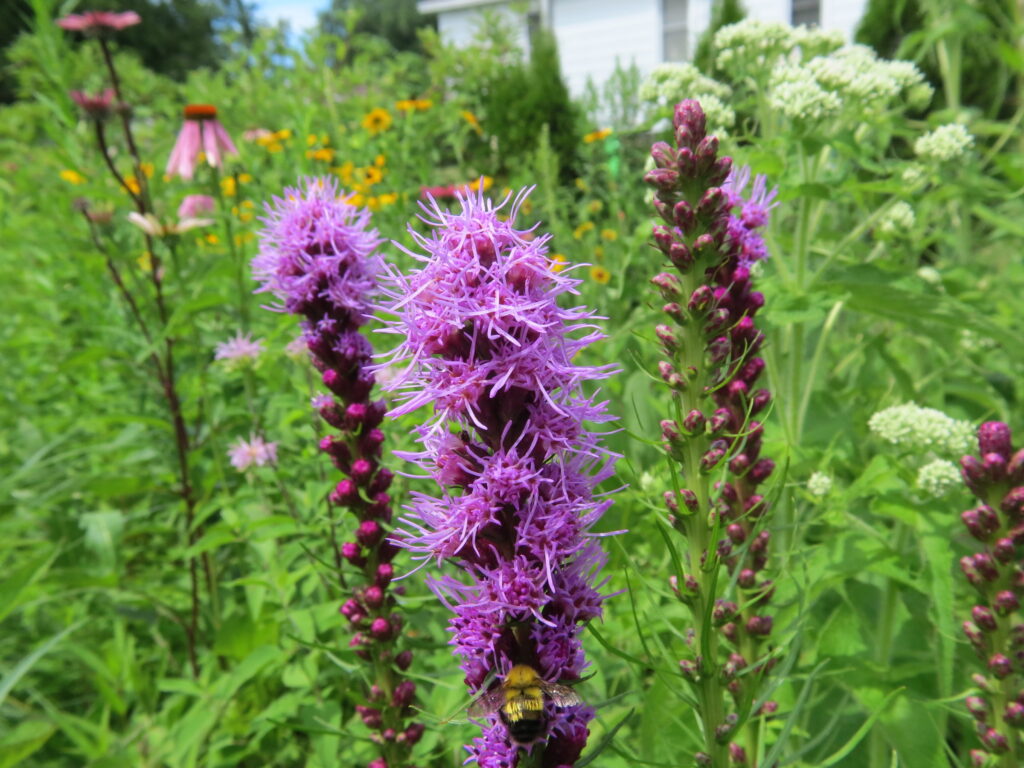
{"type": "Point", "coordinates": [561, 695]}
{"type": "Point", "coordinates": [487, 703]}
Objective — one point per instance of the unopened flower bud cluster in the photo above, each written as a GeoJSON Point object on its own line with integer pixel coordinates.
{"type": "Point", "coordinates": [946, 143]}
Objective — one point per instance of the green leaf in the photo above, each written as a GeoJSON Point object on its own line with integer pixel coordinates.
{"type": "Point", "coordinates": [13, 586]}
{"type": "Point", "coordinates": [23, 740]}
{"type": "Point", "coordinates": [11, 678]}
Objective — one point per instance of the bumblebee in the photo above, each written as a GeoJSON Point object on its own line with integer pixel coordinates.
{"type": "Point", "coordinates": [519, 702]}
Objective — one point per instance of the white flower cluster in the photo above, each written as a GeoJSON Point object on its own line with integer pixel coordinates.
{"type": "Point", "coordinates": [669, 84]}
{"type": "Point", "coordinates": [795, 92]}
{"type": "Point", "coordinates": [923, 429]}
{"type": "Point", "coordinates": [752, 46]}
{"type": "Point", "coordinates": [819, 484]}
{"type": "Point", "coordinates": [809, 74]}
{"type": "Point", "coordinates": [945, 143]}
{"type": "Point", "coordinates": [939, 477]}
{"type": "Point", "coordinates": [896, 222]}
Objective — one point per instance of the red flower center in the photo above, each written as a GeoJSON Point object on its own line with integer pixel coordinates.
{"type": "Point", "coordinates": [200, 112]}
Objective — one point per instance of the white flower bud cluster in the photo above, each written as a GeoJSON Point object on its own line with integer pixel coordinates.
{"type": "Point", "coordinates": [923, 429]}
{"type": "Point", "coordinates": [939, 477]}
{"type": "Point", "coordinates": [795, 92]}
{"type": "Point", "coordinates": [945, 143]}
{"type": "Point", "coordinates": [896, 222]}
{"type": "Point", "coordinates": [750, 46]}
{"type": "Point", "coordinates": [819, 484]}
{"type": "Point", "coordinates": [913, 175]}
{"type": "Point", "coordinates": [669, 84]}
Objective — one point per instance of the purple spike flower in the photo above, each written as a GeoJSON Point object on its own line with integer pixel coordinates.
{"type": "Point", "coordinates": [711, 343]}
{"type": "Point", "coordinates": [318, 257]}
{"type": "Point", "coordinates": [996, 632]}
{"type": "Point", "coordinates": [484, 341]}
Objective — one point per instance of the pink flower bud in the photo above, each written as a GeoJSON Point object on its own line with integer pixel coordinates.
{"type": "Point", "coordinates": [403, 660]}
{"type": "Point", "coordinates": [361, 471]}
{"type": "Point", "coordinates": [977, 706]}
{"type": "Point", "coordinates": [380, 629]}
{"type": "Point", "coordinates": [345, 493]}
{"type": "Point", "coordinates": [1000, 666]}
{"type": "Point", "coordinates": [414, 733]}
{"type": "Point", "coordinates": [369, 533]}
{"type": "Point", "coordinates": [994, 437]}
{"type": "Point", "coordinates": [373, 596]}
{"type": "Point", "coordinates": [760, 626]}
{"type": "Point", "coordinates": [1005, 603]}
{"type": "Point", "coordinates": [983, 618]}
{"type": "Point", "coordinates": [403, 694]}
{"type": "Point", "coordinates": [370, 716]}
{"type": "Point", "coordinates": [351, 552]}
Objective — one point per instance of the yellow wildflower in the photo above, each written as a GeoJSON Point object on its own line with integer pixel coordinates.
{"type": "Point", "coordinates": [211, 238]}
{"type": "Point", "coordinates": [582, 229]}
{"type": "Point", "coordinates": [133, 184]}
{"type": "Point", "coordinates": [371, 175]}
{"type": "Point", "coordinates": [581, 185]}
{"type": "Point", "coordinates": [373, 203]}
{"type": "Point", "coordinates": [145, 261]}
{"type": "Point", "coordinates": [311, 139]}
{"type": "Point", "coordinates": [243, 238]}
{"type": "Point", "coordinates": [595, 206]}
{"type": "Point", "coordinates": [558, 262]}
{"type": "Point", "coordinates": [147, 169]}
{"type": "Point", "coordinates": [486, 181]}
{"type": "Point", "coordinates": [356, 199]}
{"type": "Point", "coordinates": [609, 235]}
{"type": "Point", "coordinates": [377, 121]}
{"type": "Point", "coordinates": [72, 177]}
{"type": "Point", "coordinates": [388, 199]}
{"type": "Point", "coordinates": [470, 118]}
{"type": "Point", "coordinates": [244, 178]}
{"type": "Point", "coordinates": [379, 161]}
{"type": "Point", "coordinates": [601, 135]}
{"type": "Point", "coordinates": [228, 186]}
{"type": "Point", "coordinates": [345, 171]}
{"type": "Point", "coordinates": [600, 275]}
{"type": "Point", "coordinates": [275, 147]}
{"type": "Point", "coordinates": [324, 154]}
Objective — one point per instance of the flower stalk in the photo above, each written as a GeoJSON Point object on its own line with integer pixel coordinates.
{"type": "Point", "coordinates": [711, 344]}
{"type": "Point", "coordinates": [489, 348]}
{"type": "Point", "coordinates": [318, 256]}
{"type": "Point", "coordinates": [995, 630]}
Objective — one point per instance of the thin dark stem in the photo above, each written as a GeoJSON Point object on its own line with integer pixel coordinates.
{"type": "Point", "coordinates": [115, 81]}
{"type": "Point", "coordinates": [101, 139]}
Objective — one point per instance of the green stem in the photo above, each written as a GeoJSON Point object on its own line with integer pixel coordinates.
{"type": "Point", "coordinates": [236, 258]}
{"type": "Point", "coordinates": [700, 538]}
{"type": "Point", "coordinates": [888, 605]}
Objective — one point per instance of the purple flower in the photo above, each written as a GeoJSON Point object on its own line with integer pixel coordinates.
{"type": "Point", "coordinates": [245, 454]}
{"type": "Point", "coordinates": [752, 215]}
{"type": "Point", "coordinates": [484, 341]}
{"type": "Point", "coordinates": [318, 257]}
{"type": "Point", "coordinates": [241, 348]}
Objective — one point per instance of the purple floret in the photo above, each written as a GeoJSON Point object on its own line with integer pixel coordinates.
{"type": "Point", "coordinates": [484, 341]}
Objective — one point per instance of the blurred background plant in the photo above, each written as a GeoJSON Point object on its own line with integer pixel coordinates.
{"type": "Point", "coordinates": [893, 279]}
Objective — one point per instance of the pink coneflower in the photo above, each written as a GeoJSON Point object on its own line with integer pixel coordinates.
{"type": "Point", "coordinates": [239, 348]}
{"type": "Point", "coordinates": [244, 454]}
{"type": "Point", "coordinates": [194, 205]}
{"type": "Point", "coordinates": [202, 132]}
{"type": "Point", "coordinates": [154, 227]}
{"type": "Point", "coordinates": [96, 106]}
{"type": "Point", "coordinates": [97, 22]}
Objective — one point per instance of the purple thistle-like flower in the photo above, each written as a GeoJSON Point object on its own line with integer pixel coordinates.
{"type": "Point", "coordinates": [318, 256]}
{"type": "Point", "coordinates": [711, 344]}
{"type": "Point", "coordinates": [486, 343]}
{"type": "Point", "coordinates": [996, 630]}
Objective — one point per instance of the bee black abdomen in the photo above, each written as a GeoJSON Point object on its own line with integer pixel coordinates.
{"type": "Point", "coordinates": [527, 728]}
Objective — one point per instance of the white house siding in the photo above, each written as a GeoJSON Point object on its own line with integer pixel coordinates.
{"type": "Point", "coordinates": [593, 34]}
{"type": "Point", "coordinates": [843, 14]}
{"type": "Point", "coordinates": [459, 25]}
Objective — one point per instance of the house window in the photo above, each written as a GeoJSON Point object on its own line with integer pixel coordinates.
{"type": "Point", "coordinates": [806, 12]}
{"type": "Point", "coordinates": [676, 35]}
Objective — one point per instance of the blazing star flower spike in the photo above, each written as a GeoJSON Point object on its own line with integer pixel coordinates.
{"type": "Point", "coordinates": [202, 132]}
{"type": "Point", "coordinates": [318, 257]}
{"type": "Point", "coordinates": [485, 343]}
